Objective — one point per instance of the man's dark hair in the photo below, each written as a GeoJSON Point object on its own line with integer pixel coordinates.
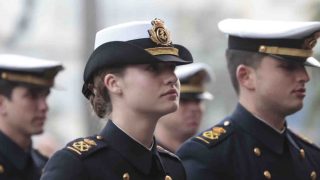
{"type": "Point", "coordinates": [6, 88]}
{"type": "Point", "coordinates": [236, 58]}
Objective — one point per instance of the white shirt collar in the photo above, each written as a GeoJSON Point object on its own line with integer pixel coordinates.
{"type": "Point", "coordinates": [265, 122]}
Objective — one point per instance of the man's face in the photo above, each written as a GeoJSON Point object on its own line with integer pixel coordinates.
{"type": "Point", "coordinates": [25, 112]}
{"type": "Point", "coordinates": [185, 122]}
{"type": "Point", "coordinates": [280, 85]}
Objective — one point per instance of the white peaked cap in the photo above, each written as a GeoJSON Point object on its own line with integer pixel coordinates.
{"type": "Point", "coordinates": [287, 40]}
{"type": "Point", "coordinates": [30, 70]}
{"type": "Point", "coordinates": [123, 32]}
{"type": "Point", "coordinates": [13, 61]}
{"type": "Point", "coordinates": [266, 29]}
{"type": "Point", "coordinates": [188, 70]}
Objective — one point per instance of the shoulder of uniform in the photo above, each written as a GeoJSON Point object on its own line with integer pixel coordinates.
{"type": "Point", "coordinates": [215, 134]}
{"type": "Point", "coordinates": [84, 147]}
{"type": "Point", "coordinates": [305, 139]}
{"type": "Point", "coordinates": [162, 150]}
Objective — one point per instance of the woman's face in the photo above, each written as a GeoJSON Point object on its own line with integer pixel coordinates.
{"type": "Point", "coordinates": [151, 88]}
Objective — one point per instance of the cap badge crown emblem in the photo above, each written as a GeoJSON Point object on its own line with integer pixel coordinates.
{"type": "Point", "coordinates": [159, 34]}
{"type": "Point", "coordinates": [311, 41]}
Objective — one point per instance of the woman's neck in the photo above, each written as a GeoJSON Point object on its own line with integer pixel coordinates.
{"type": "Point", "coordinates": [139, 127]}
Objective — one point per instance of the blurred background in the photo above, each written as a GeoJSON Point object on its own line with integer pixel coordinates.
{"type": "Point", "coordinates": [65, 31]}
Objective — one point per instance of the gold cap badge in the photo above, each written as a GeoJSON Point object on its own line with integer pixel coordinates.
{"type": "Point", "coordinates": [159, 34]}
{"type": "Point", "coordinates": [311, 41]}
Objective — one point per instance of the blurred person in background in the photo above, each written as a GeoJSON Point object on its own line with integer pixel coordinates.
{"type": "Point", "coordinates": [130, 79]}
{"type": "Point", "coordinates": [25, 84]}
{"type": "Point", "coordinates": [175, 128]}
{"type": "Point", "coordinates": [266, 62]}
{"type": "Point", "coordinates": [47, 144]}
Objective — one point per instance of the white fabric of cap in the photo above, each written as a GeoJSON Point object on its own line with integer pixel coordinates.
{"type": "Point", "coordinates": [19, 61]}
{"type": "Point", "coordinates": [123, 32]}
{"type": "Point", "coordinates": [266, 29]}
{"type": "Point", "coordinates": [187, 70]}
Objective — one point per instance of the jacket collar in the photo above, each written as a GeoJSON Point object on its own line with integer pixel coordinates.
{"type": "Point", "coordinates": [11, 151]}
{"type": "Point", "coordinates": [258, 129]}
{"type": "Point", "coordinates": [135, 153]}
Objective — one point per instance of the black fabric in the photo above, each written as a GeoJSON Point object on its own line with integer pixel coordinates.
{"type": "Point", "coordinates": [18, 164]}
{"type": "Point", "coordinates": [250, 44]}
{"type": "Point", "coordinates": [112, 157]}
{"type": "Point", "coordinates": [253, 45]}
{"type": "Point", "coordinates": [191, 96]}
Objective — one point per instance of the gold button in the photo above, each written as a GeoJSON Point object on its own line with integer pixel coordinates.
{"type": "Point", "coordinates": [262, 49]}
{"type": "Point", "coordinates": [257, 151]}
{"type": "Point", "coordinates": [226, 123]}
{"type": "Point", "coordinates": [267, 174]}
{"type": "Point", "coordinates": [168, 177]}
{"type": "Point", "coordinates": [302, 153]}
{"type": "Point", "coordinates": [99, 137]}
{"type": "Point", "coordinates": [4, 75]}
{"type": "Point", "coordinates": [1, 169]}
{"type": "Point", "coordinates": [126, 176]}
{"type": "Point", "coordinates": [313, 175]}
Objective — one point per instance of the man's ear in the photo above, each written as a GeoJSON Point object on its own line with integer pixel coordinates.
{"type": "Point", "coordinates": [112, 82]}
{"type": "Point", "coordinates": [246, 77]}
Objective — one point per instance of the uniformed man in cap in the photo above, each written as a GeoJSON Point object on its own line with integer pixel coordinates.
{"type": "Point", "coordinates": [25, 84]}
{"type": "Point", "coordinates": [175, 128]}
{"type": "Point", "coordinates": [129, 78]}
{"type": "Point", "coordinates": [266, 61]}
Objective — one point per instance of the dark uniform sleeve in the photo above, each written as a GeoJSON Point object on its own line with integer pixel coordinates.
{"type": "Point", "coordinates": [64, 166]}
{"type": "Point", "coordinates": [207, 156]}
{"type": "Point", "coordinates": [195, 159]}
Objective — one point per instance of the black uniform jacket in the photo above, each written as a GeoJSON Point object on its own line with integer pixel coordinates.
{"type": "Point", "coordinates": [16, 164]}
{"type": "Point", "coordinates": [244, 148]}
{"type": "Point", "coordinates": [112, 155]}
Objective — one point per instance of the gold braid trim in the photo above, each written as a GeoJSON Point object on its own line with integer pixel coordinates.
{"type": "Point", "coordinates": [285, 51]}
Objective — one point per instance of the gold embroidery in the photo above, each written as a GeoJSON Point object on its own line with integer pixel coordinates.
{"type": "Point", "coordinates": [74, 150]}
{"type": "Point", "coordinates": [214, 133]}
{"type": "Point", "coordinates": [310, 42]}
{"type": "Point", "coordinates": [81, 146]}
{"type": "Point", "coordinates": [90, 142]}
{"type": "Point", "coordinates": [285, 51]}
{"type": "Point", "coordinates": [198, 137]}
{"type": "Point", "coordinates": [159, 34]}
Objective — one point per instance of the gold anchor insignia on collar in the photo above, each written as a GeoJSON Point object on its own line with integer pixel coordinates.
{"type": "Point", "coordinates": [214, 133]}
{"type": "Point", "coordinates": [159, 34]}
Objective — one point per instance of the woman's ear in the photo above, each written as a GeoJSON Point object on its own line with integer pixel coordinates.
{"type": "Point", "coordinates": [246, 77]}
{"type": "Point", "coordinates": [112, 83]}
